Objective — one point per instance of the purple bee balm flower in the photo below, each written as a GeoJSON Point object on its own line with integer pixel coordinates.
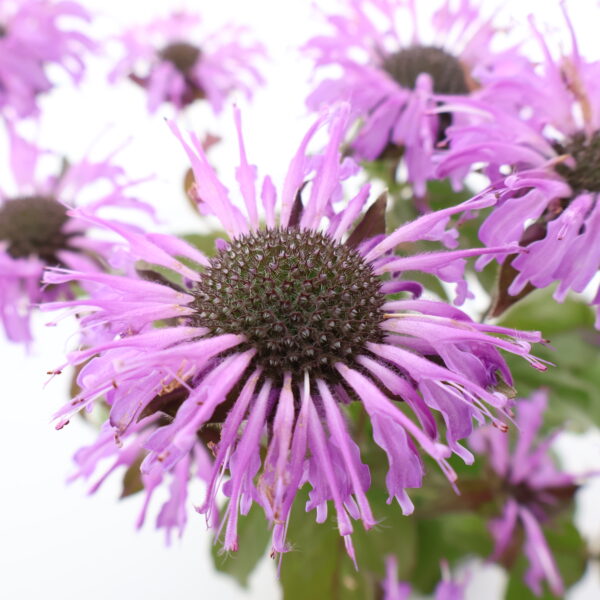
{"type": "Point", "coordinates": [446, 589]}
{"type": "Point", "coordinates": [37, 229]}
{"type": "Point", "coordinates": [395, 80]}
{"type": "Point", "coordinates": [284, 326]}
{"type": "Point", "coordinates": [549, 202]}
{"type": "Point", "coordinates": [32, 37]}
{"type": "Point", "coordinates": [177, 63]}
{"type": "Point", "coordinates": [534, 488]}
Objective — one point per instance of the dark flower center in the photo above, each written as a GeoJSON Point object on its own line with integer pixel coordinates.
{"type": "Point", "coordinates": [33, 225]}
{"type": "Point", "coordinates": [585, 175]}
{"type": "Point", "coordinates": [181, 55]}
{"type": "Point", "coordinates": [303, 301]}
{"type": "Point", "coordinates": [447, 73]}
{"type": "Point", "coordinates": [3, 31]}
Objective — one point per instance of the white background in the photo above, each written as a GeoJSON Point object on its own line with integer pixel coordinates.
{"type": "Point", "coordinates": [54, 541]}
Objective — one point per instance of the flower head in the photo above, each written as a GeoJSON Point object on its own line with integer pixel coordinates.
{"type": "Point", "coordinates": [176, 63]}
{"type": "Point", "coordinates": [37, 230]}
{"type": "Point", "coordinates": [395, 81]}
{"type": "Point", "coordinates": [534, 490]}
{"type": "Point", "coordinates": [549, 201]}
{"type": "Point", "coordinates": [289, 322]}
{"type": "Point", "coordinates": [32, 37]}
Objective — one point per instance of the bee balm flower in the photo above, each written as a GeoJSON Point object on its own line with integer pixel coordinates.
{"type": "Point", "coordinates": [32, 38]}
{"type": "Point", "coordinates": [395, 79]}
{"type": "Point", "coordinates": [176, 63]}
{"type": "Point", "coordinates": [549, 200]}
{"type": "Point", "coordinates": [288, 323]}
{"type": "Point", "coordinates": [533, 488]}
{"type": "Point", "coordinates": [37, 230]}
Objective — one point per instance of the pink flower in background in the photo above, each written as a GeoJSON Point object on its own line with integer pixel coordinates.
{"type": "Point", "coordinates": [33, 35]}
{"type": "Point", "coordinates": [548, 201]}
{"type": "Point", "coordinates": [446, 589]}
{"type": "Point", "coordinates": [304, 310]}
{"type": "Point", "coordinates": [533, 486]}
{"type": "Point", "coordinates": [177, 63]}
{"type": "Point", "coordinates": [37, 230]}
{"type": "Point", "coordinates": [394, 75]}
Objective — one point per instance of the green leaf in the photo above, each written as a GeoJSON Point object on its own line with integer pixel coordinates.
{"type": "Point", "coordinates": [452, 537]}
{"type": "Point", "coordinates": [253, 536]}
{"type": "Point", "coordinates": [575, 379]}
{"type": "Point", "coordinates": [540, 311]}
{"type": "Point", "coordinates": [205, 242]}
{"type": "Point", "coordinates": [319, 567]}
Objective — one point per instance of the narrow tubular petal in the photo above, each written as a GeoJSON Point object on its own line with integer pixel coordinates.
{"type": "Point", "coordinates": [437, 260]}
{"type": "Point", "coordinates": [272, 484]}
{"type": "Point", "coordinates": [228, 439]}
{"type": "Point", "coordinates": [419, 228]}
{"type": "Point", "coordinates": [541, 561]}
{"type": "Point", "coordinates": [178, 247]}
{"type": "Point", "coordinates": [401, 387]}
{"type": "Point", "coordinates": [351, 212]}
{"type": "Point", "coordinates": [244, 464]}
{"type": "Point", "coordinates": [359, 473]}
{"type": "Point", "coordinates": [296, 471]}
{"type": "Point", "coordinates": [296, 173]}
{"type": "Point", "coordinates": [323, 462]}
{"type": "Point", "coordinates": [169, 443]}
{"type": "Point", "coordinates": [327, 178]}
{"type": "Point", "coordinates": [208, 187]}
{"type": "Point", "coordinates": [377, 404]}
{"type": "Point", "coordinates": [269, 200]}
{"type": "Point", "coordinates": [246, 175]}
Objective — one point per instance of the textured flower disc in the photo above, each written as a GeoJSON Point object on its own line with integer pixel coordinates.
{"type": "Point", "coordinates": [33, 225]}
{"type": "Point", "coordinates": [303, 301]}
{"type": "Point", "coordinates": [447, 73]}
{"type": "Point", "coordinates": [181, 55]}
{"type": "Point", "coordinates": [585, 176]}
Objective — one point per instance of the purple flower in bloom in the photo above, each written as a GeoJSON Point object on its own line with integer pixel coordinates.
{"type": "Point", "coordinates": [447, 589]}
{"type": "Point", "coordinates": [395, 79]}
{"type": "Point", "coordinates": [37, 230]}
{"type": "Point", "coordinates": [176, 63]}
{"type": "Point", "coordinates": [290, 321]}
{"type": "Point", "coordinates": [534, 489]}
{"type": "Point", "coordinates": [549, 201]}
{"type": "Point", "coordinates": [31, 39]}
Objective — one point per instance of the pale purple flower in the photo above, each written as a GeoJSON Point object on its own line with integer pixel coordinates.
{"type": "Point", "coordinates": [395, 75]}
{"type": "Point", "coordinates": [37, 230]}
{"type": "Point", "coordinates": [533, 486]}
{"type": "Point", "coordinates": [35, 34]}
{"type": "Point", "coordinates": [549, 199]}
{"type": "Point", "coordinates": [288, 323]}
{"type": "Point", "coordinates": [446, 589]}
{"type": "Point", "coordinates": [177, 62]}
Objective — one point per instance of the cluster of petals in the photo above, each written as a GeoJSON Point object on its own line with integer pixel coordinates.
{"type": "Point", "coordinates": [38, 174]}
{"type": "Point", "coordinates": [534, 488]}
{"type": "Point", "coordinates": [127, 454]}
{"type": "Point", "coordinates": [549, 199]}
{"type": "Point", "coordinates": [432, 358]}
{"type": "Point", "coordinates": [33, 35]}
{"type": "Point", "coordinates": [176, 62]}
{"type": "Point", "coordinates": [371, 32]}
